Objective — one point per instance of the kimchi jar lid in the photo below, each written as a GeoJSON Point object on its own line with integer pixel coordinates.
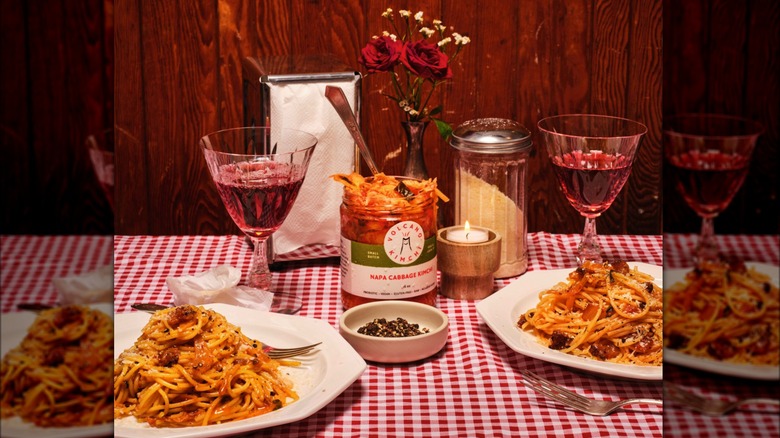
{"type": "Point", "coordinates": [491, 136]}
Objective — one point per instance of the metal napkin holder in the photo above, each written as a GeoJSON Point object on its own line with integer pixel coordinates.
{"type": "Point", "coordinates": [262, 77]}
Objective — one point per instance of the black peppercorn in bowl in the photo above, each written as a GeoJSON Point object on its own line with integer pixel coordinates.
{"type": "Point", "coordinates": [394, 331]}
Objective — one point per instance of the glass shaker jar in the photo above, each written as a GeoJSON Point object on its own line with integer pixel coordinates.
{"type": "Point", "coordinates": [490, 188]}
{"type": "Point", "coordinates": [388, 241]}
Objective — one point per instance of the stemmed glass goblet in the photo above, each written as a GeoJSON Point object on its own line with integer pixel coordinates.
{"type": "Point", "coordinates": [709, 157]}
{"type": "Point", "coordinates": [258, 172]}
{"type": "Point", "coordinates": [592, 157]}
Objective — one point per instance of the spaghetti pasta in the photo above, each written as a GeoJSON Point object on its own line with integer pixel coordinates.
{"type": "Point", "coordinates": [603, 311]}
{"type": "Point", "coordinates": [191, 367]}
{"type": "Point", "coordinates": [724, 311]}
{"type": "Point", "coordinates": [60, 374]}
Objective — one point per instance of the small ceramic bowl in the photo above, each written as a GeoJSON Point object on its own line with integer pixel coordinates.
{"type": "Point", "coordinates": [395, 349]}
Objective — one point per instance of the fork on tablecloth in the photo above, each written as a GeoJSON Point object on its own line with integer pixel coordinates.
{"type": "Point", "coordinates": [576, 401]}
{"type": "Point", "coordinates": [710, 406]}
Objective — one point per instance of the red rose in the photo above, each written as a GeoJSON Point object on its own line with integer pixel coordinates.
{"type": "Point", "coordinates": [381, 54]}
{"type": "Point", "coordinates": [426, 60]}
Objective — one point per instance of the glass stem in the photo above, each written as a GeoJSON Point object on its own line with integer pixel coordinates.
{"type": "Point", "coordinates": [707, 247]}
{"type": "Point", "coordinates": [259, 274]}
{"type": "Point", "coordinates": [589, 248]}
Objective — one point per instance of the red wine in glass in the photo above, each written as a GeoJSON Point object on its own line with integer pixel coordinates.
{"type": "Point", "coordinates": [591, 181]}
{"type": "Point", "coordinates": [708, 181]}
{"type": "Point", "coordinates": [258, 172]}
{"type": "Point", "coordinates": [259, 196]}
{"type": "Point", "coordinates": [591, 156]}
{"type": "Point", "coordinates": [709, 157]}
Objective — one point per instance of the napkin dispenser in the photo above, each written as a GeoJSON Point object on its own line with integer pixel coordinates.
{"type": "Point", "coordinates": [289, 92]}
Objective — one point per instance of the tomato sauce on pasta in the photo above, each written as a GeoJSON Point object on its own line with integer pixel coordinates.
{"type": "Point", "coordinates": [191, 367]}
{"type": "Point", "coordinates": [603, 311]}
{"type": "Point", "coordinates": [60, 374]}
{"type": "Point", "coordinates": [724, 311]}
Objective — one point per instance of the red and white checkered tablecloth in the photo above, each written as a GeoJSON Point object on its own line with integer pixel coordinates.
{"type": "Point", "coordinates": [471, 388]}
{"type": "Point", "coordinates": [678, 249]}
{"type": "Point", "coordinates": [28, 264]}
{"type": "Point", "coordinates": [680, 422]}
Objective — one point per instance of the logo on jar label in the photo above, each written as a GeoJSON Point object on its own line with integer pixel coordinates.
{"type": "Point", "coordinates": [404, 243]}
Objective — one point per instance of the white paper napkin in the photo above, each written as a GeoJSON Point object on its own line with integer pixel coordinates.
{"type": "Point", "coordinates": [217, 285]}
{"type": "Point", "coordinates": [91, 287]}
{"type": "Point", "coordinates": [314, 218]}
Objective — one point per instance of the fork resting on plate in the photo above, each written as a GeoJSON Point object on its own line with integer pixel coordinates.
{"type": "Point", "coordinates": [272, 352]}
{"type": "Point", "coordinates": [283, 353]}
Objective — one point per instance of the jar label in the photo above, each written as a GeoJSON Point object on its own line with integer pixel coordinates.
{"type": "Point", "coordinates": [403, 266]}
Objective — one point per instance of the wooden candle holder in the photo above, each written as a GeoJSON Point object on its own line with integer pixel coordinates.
{"type": "Point", "coordinates": [467, 268]}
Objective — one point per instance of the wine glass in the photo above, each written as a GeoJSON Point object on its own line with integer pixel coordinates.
{"type": "Point", "coordinates": [101, 154]}
{"type": "Point", "coordinates": [258, 172]}
{"type": "Point", "coordinates": [592, 157]}
{"type": "Point", "coordinates": [709, 157]}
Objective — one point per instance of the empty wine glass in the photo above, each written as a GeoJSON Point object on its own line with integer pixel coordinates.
{"type": "Point", "coordinates": [709, 157]}
{"type": "Point", "coordinates": [258, 172]}
{"type": "Point", "coordinates": [592, 157]}
{"type": "Point", "coordinates": [101, 154]}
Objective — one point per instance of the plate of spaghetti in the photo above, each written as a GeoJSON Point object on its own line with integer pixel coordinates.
{"type": "Point", "coordinates": [56, 372]}
{"type": "Point", "coordinates": [604, 318]}
{"type": "Point", "coordinates": [199, 371]}
{"type": "Point", "coordinates": [724, 318]}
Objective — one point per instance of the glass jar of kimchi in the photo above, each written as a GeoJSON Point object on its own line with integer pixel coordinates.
{"type": "Point", "coordinates": [388, 239]}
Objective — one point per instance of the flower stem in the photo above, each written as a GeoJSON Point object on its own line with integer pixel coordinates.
{"type": "Point", "coordinates": [425, 105]}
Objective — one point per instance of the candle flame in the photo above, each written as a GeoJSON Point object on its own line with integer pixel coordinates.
{"type": "Point", "coordinates": [467, 227]}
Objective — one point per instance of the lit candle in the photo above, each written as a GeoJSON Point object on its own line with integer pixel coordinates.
{"type": "Point", "coordinates": [467, 235]}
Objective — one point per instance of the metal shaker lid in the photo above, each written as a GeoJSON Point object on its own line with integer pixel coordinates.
{"type": "Point", "coordinates": [491, 136]}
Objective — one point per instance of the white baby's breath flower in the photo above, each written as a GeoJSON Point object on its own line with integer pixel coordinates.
{"type": "Point", "coordinates": [403, 103]}
{"type": "Point", "coordinates": [388, 13]}
{"type": "Point", "coordinates": [444, 42]}
{"type": "Point", "coordinates": [413, 112]}
{"type": "Point", "coordinates": [404, 13]}
{"type": "Point", "coordinates": [440, 27]}
{"type": "Point", "coordinates": [419, 17]}
{"type": "Point", "coordinates": [427, 32]}
{"type": "Point", "coordinates": [460, 40]}
{"type": "Point", "coordinates": [388, 34]}
{"type": "Point", "coordinates": [436, 22]}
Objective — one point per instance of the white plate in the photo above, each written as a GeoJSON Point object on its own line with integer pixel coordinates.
{"type": "Point", "coordinates": [502, 309]}
{"type": "Point", "coordinates": [757, 372]}
{"type": "Point", "coordinates": [14, 329]}
{"type": "Point", "coordinates": [322, 376]}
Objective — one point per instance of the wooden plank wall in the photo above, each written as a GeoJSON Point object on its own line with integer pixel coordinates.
{"type": "Point", "coordinates": [722, 57]}
{"type": "Point", "coordinates": [179, 76]}
{"type": "Point", "coordinates": [57, 88]}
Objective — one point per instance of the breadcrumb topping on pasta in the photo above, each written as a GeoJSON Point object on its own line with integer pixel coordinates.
{"type": "Point", "coordinates": [603, 311]}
